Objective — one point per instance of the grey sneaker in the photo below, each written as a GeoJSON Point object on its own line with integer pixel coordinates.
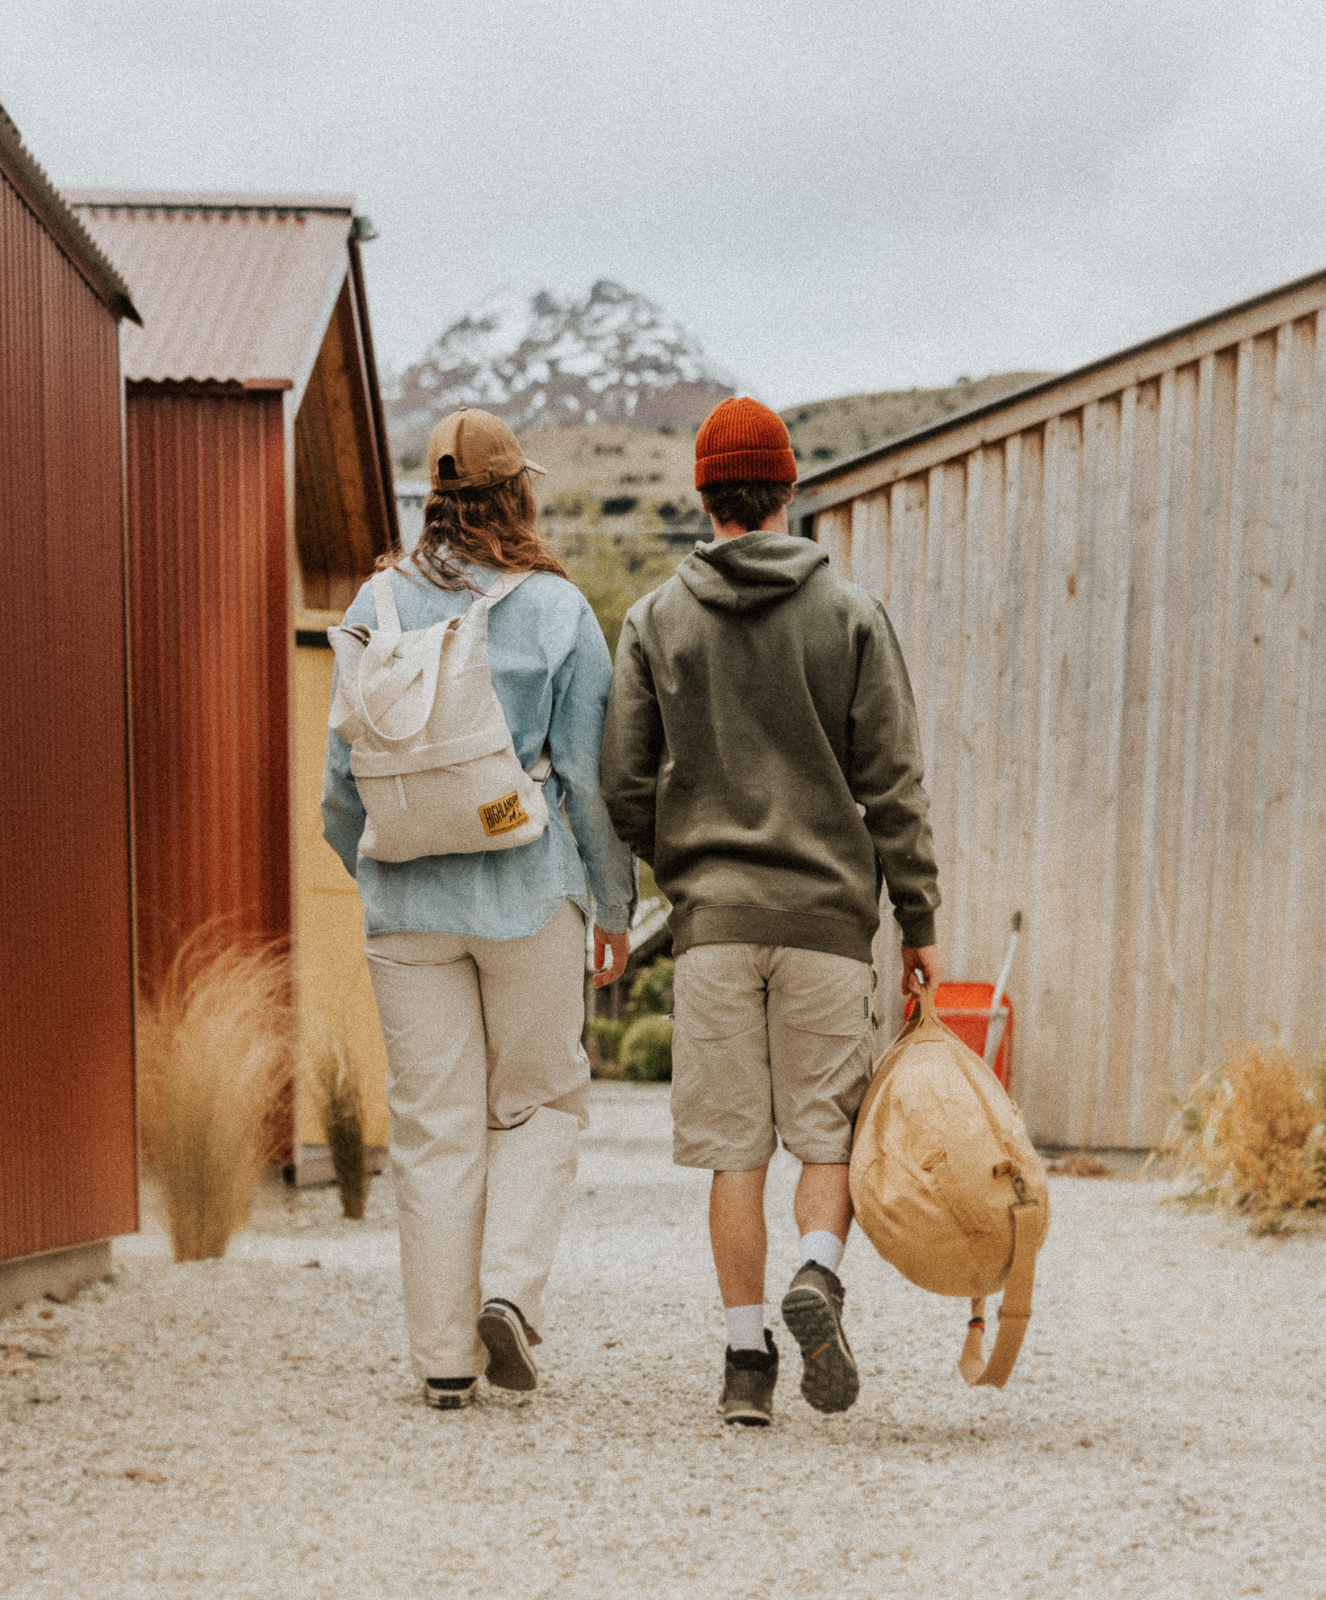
{"type": "Point", "coordinates": [450, 1394]}
{"type": "Point", "coordinates": [749, 1377]}
{"type": "Point", "coordinates": [813, 1312]}
{"type": "Point", "coordinates": [504, 1330]}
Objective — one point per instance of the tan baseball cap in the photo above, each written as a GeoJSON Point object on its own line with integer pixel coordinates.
{"type": "Point", "coordinates": [473, 449]}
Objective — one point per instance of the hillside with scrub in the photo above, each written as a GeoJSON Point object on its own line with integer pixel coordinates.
{"type": "Point", "coordinates": [826, 430]}
{"type": "Point", "coordinates": [606, 391]}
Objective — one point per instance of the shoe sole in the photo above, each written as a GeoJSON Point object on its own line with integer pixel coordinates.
{"type": "Point", "coordinates": [449, 1399]}
{"type": "Point", "coordinates": [510, 1365]}
{"type": "Point", "coordinates": [830, 1381]}
{"type": "Point", "coordinates": [747, 1419]}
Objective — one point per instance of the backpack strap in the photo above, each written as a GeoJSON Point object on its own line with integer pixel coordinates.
{"type": "Point", "coordinates": [389, 619]}
{"type": "Point", "coordinates": [1014, 1309]}
{"type": "Point", "coordinates": [541, 771]}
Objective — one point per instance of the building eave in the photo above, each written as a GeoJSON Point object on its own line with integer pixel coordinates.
{"type": "Point", "coordinates": [37, 191]}
{"type": "Point", "coordinates": [842, 480]}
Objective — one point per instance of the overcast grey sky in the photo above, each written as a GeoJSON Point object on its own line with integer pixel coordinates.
{"type": "Point", "coordinates": [849, 195]}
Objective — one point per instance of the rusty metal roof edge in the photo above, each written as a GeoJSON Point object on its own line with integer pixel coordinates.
{"type": "Point", "coordinates": [194, 384]}
{"type": "Point", "coordinates": [205, 200]}
{"type": "Point", "coordinates": [876, 452]}
{"type": "Point", "coordinates": [38, 192]}
{"type": "Point", "coordinates": [313, 268]}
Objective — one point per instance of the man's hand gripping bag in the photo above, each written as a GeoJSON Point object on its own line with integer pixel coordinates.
{"type": "Point", "coordinates": [947, 1186]}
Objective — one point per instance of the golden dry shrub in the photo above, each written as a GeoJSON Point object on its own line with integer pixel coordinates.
{"type": "Point", "coordinates": [1250, 1136]}
{"type": "Point", "coordinates": [214, 1058]}
{"type": "Point", "coordinates": [1081, 1165]}
{"type": "Point", "coordinates": [331, 1078]}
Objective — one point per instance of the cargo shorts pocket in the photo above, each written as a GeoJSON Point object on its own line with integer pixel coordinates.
{"type": "Point", "coordinates": [718, 993]}
{"type": "Point", "coordinates": [819, 1044]}
{"type": "Point", "coordinates": [824, 995]}
{"type": "Point", "coordinates": [721, 1095]}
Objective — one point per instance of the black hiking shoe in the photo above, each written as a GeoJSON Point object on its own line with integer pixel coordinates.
{"type": "Point", "coordinates": [450, 1394]}
{"type": "Point", "coordinates": [813, 1312]}
{"type": "Point", "coordinates": [749, 1377]}
{"type": "Point", "coordinates": [504, 1330]}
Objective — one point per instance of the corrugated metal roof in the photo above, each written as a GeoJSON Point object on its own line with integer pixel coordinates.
{"type": "Point", "coordinates": [46, 201]}
{"type": "Point", "coordinates": [234, 287]}
{"type": "Point", "coordinates": [211, 200]}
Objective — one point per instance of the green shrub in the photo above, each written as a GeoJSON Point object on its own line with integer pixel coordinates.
{"type": "Point", "coordinates": [607, 1034]}
{"type": "Point", "coordinates": [651, 993]}
{"type": "Point", "coordinates": [613, 573]}
{"type": "Point", "coordinates": [646, 1050]}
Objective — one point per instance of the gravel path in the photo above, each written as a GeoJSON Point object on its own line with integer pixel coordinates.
{"type": "Point", "coordinates": [248, 1427]}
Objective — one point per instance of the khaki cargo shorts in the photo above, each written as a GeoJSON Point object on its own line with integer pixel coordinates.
{"type": "Point", "coordinates": [769, 1042]}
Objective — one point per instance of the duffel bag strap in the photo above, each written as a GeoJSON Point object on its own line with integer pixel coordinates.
{"type": "Point", "coordinates": [1014, 1308]}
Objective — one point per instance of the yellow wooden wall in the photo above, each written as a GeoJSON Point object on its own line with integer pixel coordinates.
{"type": "Point", "coordinates": [331, 973]}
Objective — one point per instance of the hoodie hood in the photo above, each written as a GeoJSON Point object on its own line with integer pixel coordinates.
{"type": "Point", "coordinates": [747, 573]}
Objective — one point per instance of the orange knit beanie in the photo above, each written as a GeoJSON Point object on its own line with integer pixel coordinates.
{"type": "Point", "coordinates": [743, 439]}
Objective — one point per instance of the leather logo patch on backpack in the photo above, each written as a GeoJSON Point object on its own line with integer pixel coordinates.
{"type": "Point", "coordinates": [504, 815]}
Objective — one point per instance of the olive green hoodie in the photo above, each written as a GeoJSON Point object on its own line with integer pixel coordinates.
{"type": "Point", "coordinates": [761, 753]}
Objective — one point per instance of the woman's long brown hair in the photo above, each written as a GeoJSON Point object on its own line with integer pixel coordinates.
{"type": "Point", "coordinates": [495, 527]}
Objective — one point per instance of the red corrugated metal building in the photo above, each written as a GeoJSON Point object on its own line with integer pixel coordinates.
{"type": "Point", "coordinates": [259, 494]}
{"type": "Point", "coordinates": [68, 1176]}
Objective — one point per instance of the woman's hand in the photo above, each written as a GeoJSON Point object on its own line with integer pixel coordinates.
{"type": "Point", "coordinates": [620, 946]}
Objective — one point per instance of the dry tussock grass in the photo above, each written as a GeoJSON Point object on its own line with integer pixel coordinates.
{"type": "Point", "coordinates": [214, 1056]}
{"type": "Point", "coordinates": [334, 1083]}
{"type": "Point", "coordinates": [1252, 1136]}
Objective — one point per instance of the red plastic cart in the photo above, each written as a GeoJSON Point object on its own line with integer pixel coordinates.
{"type": "Point", "coordinates": [965, 1007]}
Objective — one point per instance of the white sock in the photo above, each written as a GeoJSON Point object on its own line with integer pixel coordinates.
{"type": "Point", "coordinates": [822, 1246]}
{"type": "Point", "coordinates": [745, 1327]}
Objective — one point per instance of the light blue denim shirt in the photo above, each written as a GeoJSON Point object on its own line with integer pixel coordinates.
{"type": "Point", "coordinates": [551, 670]}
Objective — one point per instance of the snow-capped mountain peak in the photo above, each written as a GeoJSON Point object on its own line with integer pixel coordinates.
{"type": "Point", "coordinates": [538, 361]}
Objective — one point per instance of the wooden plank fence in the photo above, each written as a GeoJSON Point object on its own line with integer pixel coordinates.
{"type": "Point", "coordinates": [1110, 592]}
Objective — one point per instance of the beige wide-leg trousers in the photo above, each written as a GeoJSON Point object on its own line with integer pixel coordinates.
{"type": "Point", "coordinates": [487, 1089]}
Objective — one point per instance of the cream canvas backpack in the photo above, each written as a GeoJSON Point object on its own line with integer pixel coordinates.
{"type": "Point", "coordinates": [947, 1186]}
{"type": "Point", "coordinates": [430, 749]}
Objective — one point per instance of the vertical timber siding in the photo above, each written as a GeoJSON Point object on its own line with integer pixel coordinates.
{"type": "Point", "coordinates": [210, 632]}
{"type": "Point", "coordinates": [1114, 615]}
{"type": "Point", "coordinates": [67, 1141]}
{"type": "Point", "coordinates": [344, 510]}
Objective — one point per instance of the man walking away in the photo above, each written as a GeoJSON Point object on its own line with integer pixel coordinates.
{"type": "Point", "coordinates": [761, 753]}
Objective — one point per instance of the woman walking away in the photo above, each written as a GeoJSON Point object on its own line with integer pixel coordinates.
{"type": "Point", "coordinates": [476, 892]}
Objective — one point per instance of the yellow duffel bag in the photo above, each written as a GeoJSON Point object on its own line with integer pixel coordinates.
{"type": "Point", "coordinates": [946, 1183]}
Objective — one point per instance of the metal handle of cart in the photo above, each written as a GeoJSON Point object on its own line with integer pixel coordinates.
{"type": "Point", "coordinates": [998, 1016]}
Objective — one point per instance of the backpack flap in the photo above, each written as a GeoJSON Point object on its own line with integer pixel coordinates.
{"type": "Point", "coordinates": [431, 752]}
